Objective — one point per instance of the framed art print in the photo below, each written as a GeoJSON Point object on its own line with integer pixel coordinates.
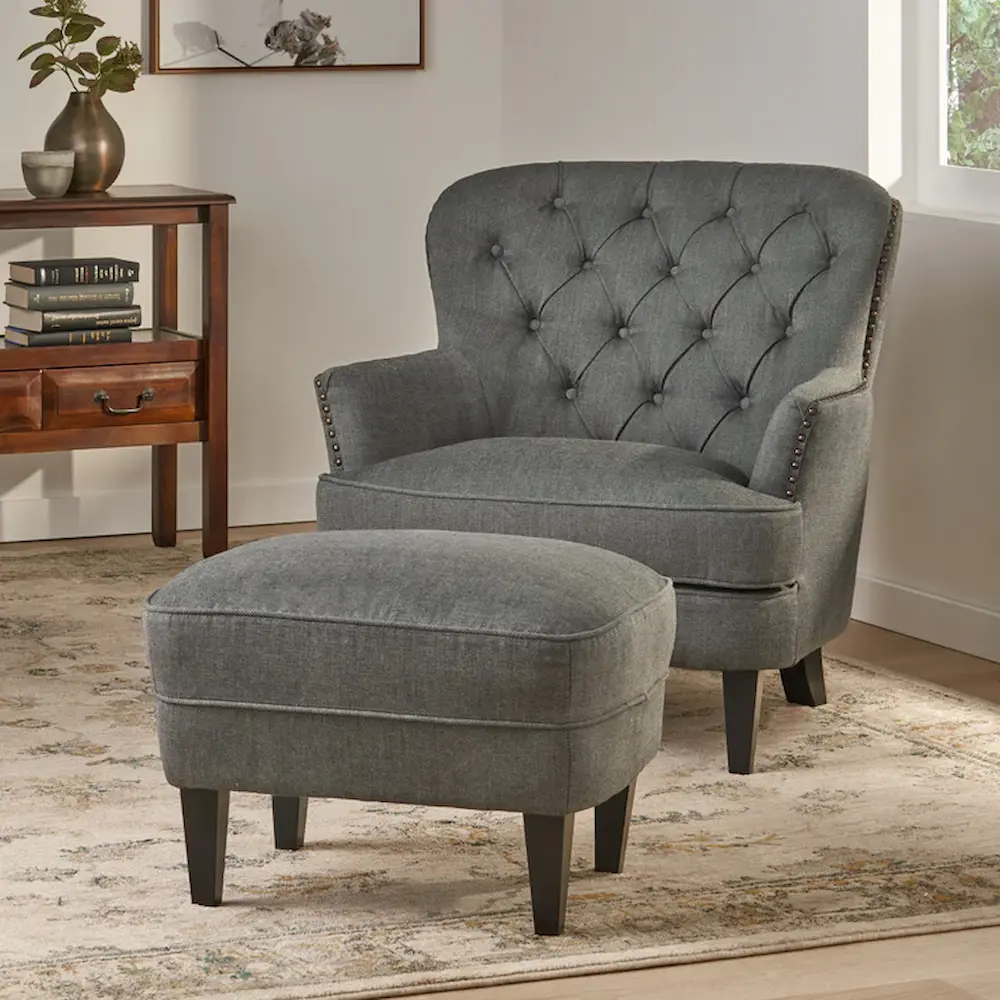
{"type": "Point", "coordinates": [200, 36]}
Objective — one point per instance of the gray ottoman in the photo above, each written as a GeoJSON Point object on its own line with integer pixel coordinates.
{"type": "Point", "coordinates": [430, 667]}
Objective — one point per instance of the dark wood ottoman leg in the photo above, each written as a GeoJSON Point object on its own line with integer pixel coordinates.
{"type": "Point", "coordinates": [549, 840]}
{"type": "Point", "coordinates": [611, 823]}
{"type": "Point", "coordinates": [206, 820]}
{"type": "Point", "coordinates": [289, 822]}
{"type": "Point", "coordinates": [803, 683]}
{"type": "Point", "coordinates": [741, 691]}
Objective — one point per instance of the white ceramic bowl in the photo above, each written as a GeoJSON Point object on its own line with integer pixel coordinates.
{"type": "Point", "coordinates": [48, 173]}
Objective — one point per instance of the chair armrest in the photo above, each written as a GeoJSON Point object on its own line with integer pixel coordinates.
{"type": "Point", "coordinates": [814, 410]}
{"type": "Point", "coordinates": [375, 410]}
{"type": "Point", "coordinates": [815, 452]}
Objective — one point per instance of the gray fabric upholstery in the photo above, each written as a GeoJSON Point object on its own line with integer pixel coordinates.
{"type": "Point", "coordinates": [432, 667]}
{"type": "Point", "coordinates": [376, 402]}
{"type": "Point", "coordinates": [776, 263]}
{"type": "Point", "coordinates": [700, 307]}
{"type": "Point", "coordinates": [688, 517]}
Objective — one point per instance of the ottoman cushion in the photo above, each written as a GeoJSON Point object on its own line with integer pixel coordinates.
{"type": "Point", "coordinates": [413, 666]}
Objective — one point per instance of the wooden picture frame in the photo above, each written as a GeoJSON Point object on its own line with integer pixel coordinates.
{"type": "Point", "coordinates": [285, 36]}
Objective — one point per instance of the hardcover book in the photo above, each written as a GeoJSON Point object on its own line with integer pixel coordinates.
{"type": "Point", "coordinates": [25, 338]}
{"type": "Point", "coordinates": [50, 321]}
{"type": "Point", "coordinates": [69, 296]}
{"type": "Point", "coordinates": [38, 321]}
{"type": "Point", "coordinates": [74, 271]}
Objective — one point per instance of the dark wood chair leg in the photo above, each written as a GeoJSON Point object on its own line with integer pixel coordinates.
{"type": "Point", "coordinates": [206, 820]}
{"type": "Point", "coordinates": [611, 823]}
{"type": "Point", "coordinates": [549, 841]}
{"type": "Point", "coordinates": [803, 683]}
{"type": "Point", "coordinates": [741, 691]}
{"type": "Point", "coordinates": [289, 815]}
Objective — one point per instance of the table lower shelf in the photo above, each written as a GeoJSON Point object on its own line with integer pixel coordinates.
{"type": "Point", "coordinates": [28, 442]}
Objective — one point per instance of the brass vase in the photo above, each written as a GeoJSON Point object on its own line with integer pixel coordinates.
{"type": "Point", "coordinates": [86, 126]}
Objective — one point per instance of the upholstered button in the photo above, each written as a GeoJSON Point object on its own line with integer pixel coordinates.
{"type": "Point", "coordinates": [647, 212]}
{"type": "Point", "coordinates": [789, 331]}
{"type": "Point", "coordinates": [755, 268]}
{"type": "Point", "coordinates": [535, 325]}
{"type": "Point", "coordinates": [675, 270]}
{"type": "Point", "coordinates": [657, 398]}
{"type": "Point", "coordinates": [559, 202]}
{"type": "Point", "coordinates": [745, 403]}
{"type": "Point", "coordinates": [706, 334]}
{"type": "Point", "coordinates": [496, 250]}
{"type": "Point", "coordinates": [730, 212]}
{"type": "Point", "coordinates": [571, 392]}
{"type": "Point", "coordinates": [587, 264]}
{"type": "Point", "coordinates": [623, 332]}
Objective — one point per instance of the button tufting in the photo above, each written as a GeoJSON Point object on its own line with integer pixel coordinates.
{"type": "Point", "coordinates": [657, 399]}
{"type": "Point", "coordinates": [496, 250]}
{"type": "Point", "coordinates": [559, 202]}
{"type": "Point", "coordinates": [647, 212]}
{"type": "Point", "coordinates": [535, 325]}
{"type": "Point", "coordinates": [623, 332]}
{"type": "Point", "coordinates": [789, 331]}
{"type": "Point", "coordinates": [675, 270]}
{"type": "Point", "coordinates": [706, 334]}
{"type": "Point", "coordinates": [587, 264]}
{"type": "Point", "coordinates": [745, 403]}
{"type": "Point", "coordinates": [571, 392]}
{"type": "Point", "coordinates": [730, 212]}
{"type": "Point", "coordinates": [755, 268]}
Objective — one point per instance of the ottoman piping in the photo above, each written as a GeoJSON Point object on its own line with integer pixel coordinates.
{"type": "Point", "coordinates": [417, 626]}
{"type": "Point", "coordinates": [406, 717]}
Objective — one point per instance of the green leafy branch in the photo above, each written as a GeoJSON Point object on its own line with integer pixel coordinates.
{"type": "Point", "coordinates": [113, 65]}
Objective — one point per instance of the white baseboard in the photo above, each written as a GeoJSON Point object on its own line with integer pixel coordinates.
{"type": "Point", "coordinates": [128, 513]}
{"type": "Point", "coordinates": [941, 620]}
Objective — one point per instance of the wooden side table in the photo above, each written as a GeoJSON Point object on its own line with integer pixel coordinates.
{"type": "Point", "coordinates": [164, 389]}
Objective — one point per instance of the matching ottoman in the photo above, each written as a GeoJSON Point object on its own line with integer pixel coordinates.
{"type": "Point", "coordinates": [429, 667]}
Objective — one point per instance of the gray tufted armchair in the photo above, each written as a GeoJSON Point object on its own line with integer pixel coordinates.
{"type": "Point", "coordinates": [670, 360]}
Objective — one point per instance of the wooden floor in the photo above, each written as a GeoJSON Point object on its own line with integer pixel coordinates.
{"type": "Point", "coordinates": [955, 966]}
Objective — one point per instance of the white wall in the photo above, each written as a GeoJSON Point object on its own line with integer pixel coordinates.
{"type": "Point", "coordinates": [663, 79]}
{"type": "Point", "coordinates": [334, 176]}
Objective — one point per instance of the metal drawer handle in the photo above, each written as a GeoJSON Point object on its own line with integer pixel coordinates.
{"type": "Point", "coordinates": [102, 397]}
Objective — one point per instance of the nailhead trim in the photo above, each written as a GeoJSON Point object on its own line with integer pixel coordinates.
{"type": "Point", "coordinates": [874, 314]}
{"type": "Point", "coordinates": [802, 438]}
{"type": "Point", "coordinates": [331, 434]}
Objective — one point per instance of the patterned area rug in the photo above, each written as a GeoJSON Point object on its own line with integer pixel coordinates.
{"type": "Point", "coordinates": [873, 817]}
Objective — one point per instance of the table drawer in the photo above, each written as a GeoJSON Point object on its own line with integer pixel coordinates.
{"type": "Point", "coordinates": [20, 401]}
{"type": "Point", "coordinates": [120, 395]}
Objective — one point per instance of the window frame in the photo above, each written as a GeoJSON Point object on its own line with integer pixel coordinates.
{"type": "Point", "coordinates": [940, 184]}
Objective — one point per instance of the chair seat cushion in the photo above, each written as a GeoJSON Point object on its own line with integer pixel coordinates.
{"type": "Point", "coordinates": [689, 517]}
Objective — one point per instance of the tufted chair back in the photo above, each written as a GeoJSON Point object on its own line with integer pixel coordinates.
{"type": "Point", "coordinates": [671, 303]}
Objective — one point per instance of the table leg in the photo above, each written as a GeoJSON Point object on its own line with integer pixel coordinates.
{"type": "Point", "coordinates": [165, 317]}
{"type": "Point", "coordinates": [215, 313]}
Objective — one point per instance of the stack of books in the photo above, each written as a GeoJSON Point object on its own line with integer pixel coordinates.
{"type": "Point", "coordinates": [54, 303]}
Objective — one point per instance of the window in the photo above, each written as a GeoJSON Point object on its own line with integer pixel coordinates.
{"type": "Point", "coordinates": [959, 104]}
